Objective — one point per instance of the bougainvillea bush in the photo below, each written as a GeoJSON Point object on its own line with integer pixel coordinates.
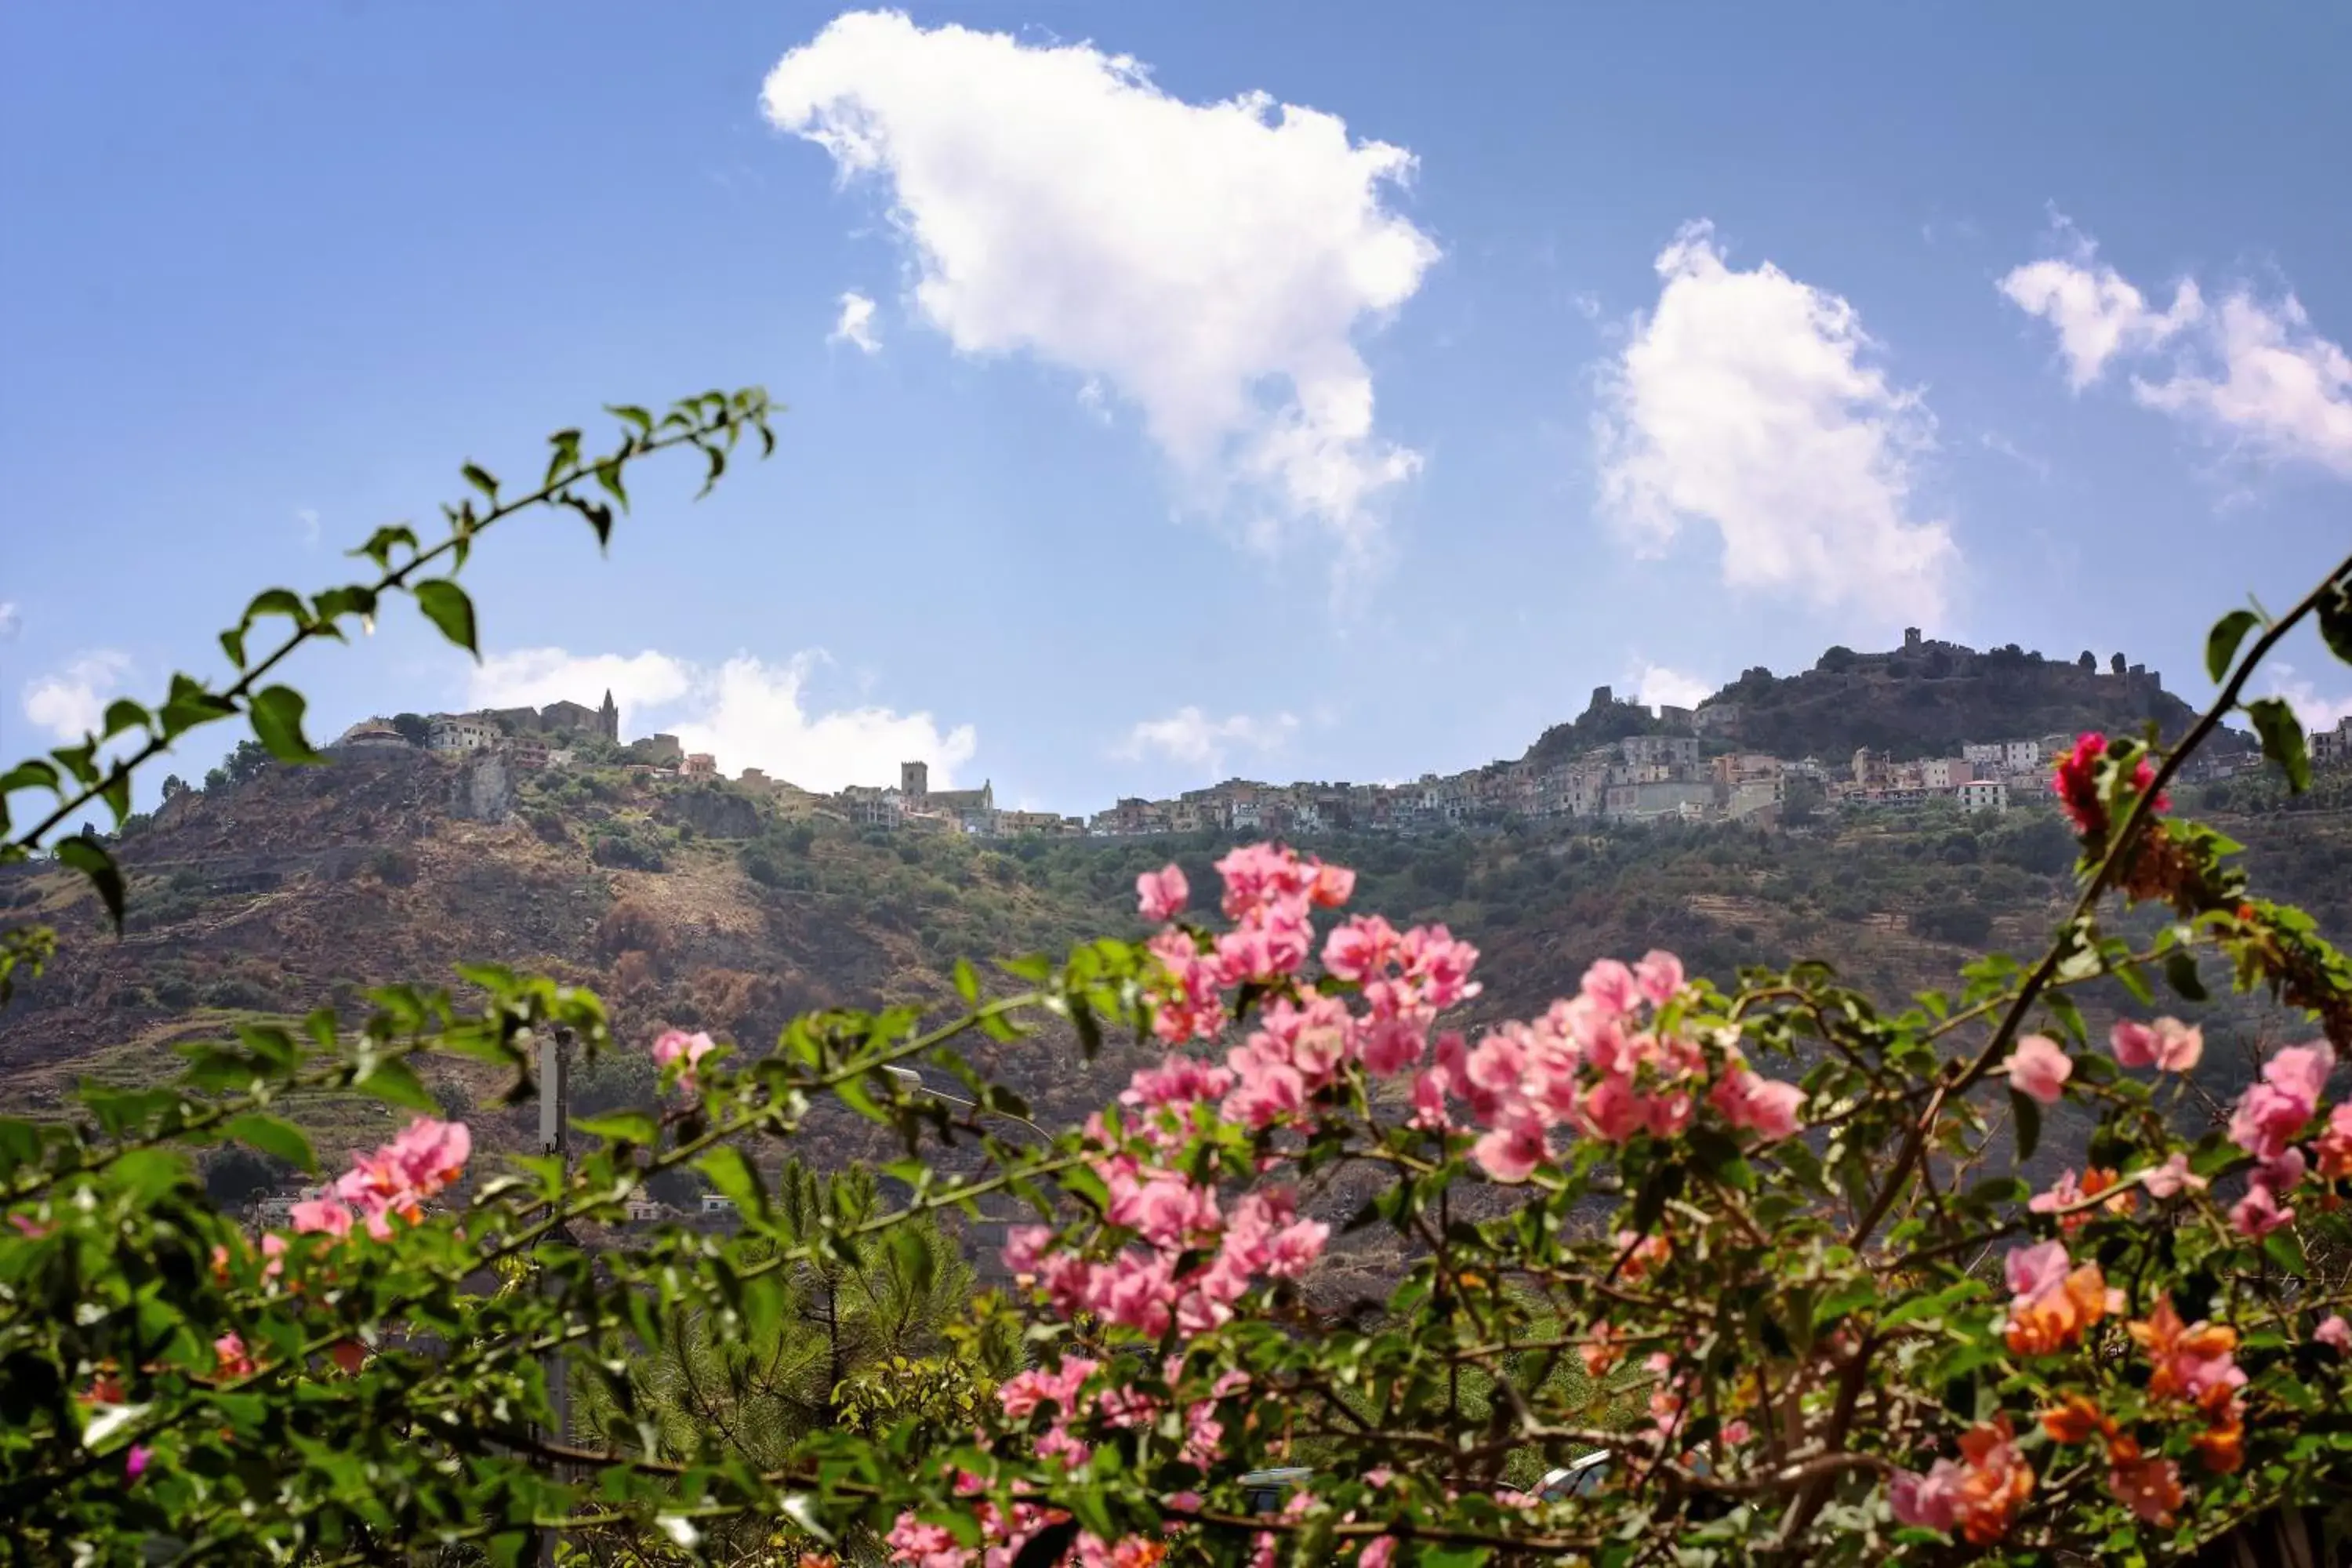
{"type": "Point", "coordinates": [1758, 1243]}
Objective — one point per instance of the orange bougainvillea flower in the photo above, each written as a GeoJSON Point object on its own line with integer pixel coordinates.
{"type": "Point", "coordinates": [2222, 1447]}
{"type": "Point", "coordinates": [1995, 1483]}
{"type": "Point", "coordinates": [349, 1355]}
{"type": "Point", "coordinates": [2052, 1307]}
{"type": "Point", "coordinates": [2192, 1362]}
{"type": "Point", "coordinates": [2077, 1421]}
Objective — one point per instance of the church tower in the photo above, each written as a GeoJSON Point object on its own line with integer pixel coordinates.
{"type": "Point", "coordinates": [608, 718]}
{"type": "Point", "coordinates": [915, 782]}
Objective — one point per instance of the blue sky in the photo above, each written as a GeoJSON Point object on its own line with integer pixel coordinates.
{"type": "Point", "coordinates": [1560, 347]}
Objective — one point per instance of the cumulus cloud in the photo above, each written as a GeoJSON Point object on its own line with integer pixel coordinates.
{"type": "Point", "coordinates": [1208, 263]}
{"type": "Point", "coordinates": [2251, 372]}
{"type": "Point", "coordinates": [1656, 685]}
{"type": "Point", "coordinates": [746, 711]}
{"type": "Point", "coordinates": [71, 702]}
{"type": "Point", "coordinates": [1193, 739]}
{"type": "Point", "coordinates": [855, 324]}
{"type": "Point", "coordinates": [1747, 402]}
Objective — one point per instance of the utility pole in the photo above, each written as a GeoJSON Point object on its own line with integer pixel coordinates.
{"type": "Point", "coordinates": [555, 1138]}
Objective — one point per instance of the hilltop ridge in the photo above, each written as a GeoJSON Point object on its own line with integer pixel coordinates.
{"type": "Point", "coordinates": [1925, 698]}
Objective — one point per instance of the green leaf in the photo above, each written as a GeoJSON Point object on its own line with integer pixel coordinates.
{"type": "Point", "coordinates": [447, 605]}
{"type": "Point", "coordinates": [123, 714]}
{"type": "Point", "coordinates": [2027, 1117]}
{"type": "Point", "coordinates": [90, 859]}
{"type": "Point", "coordinates": [622, 1127]}
{"type": "Point", "coordinates": [2335, 620]}
{"type": "Point", "coordinates": [2221, 642]}
{"type": "Point", "coordinates": [2282, 735]}
{"type": "Point", "coordinates": [393, 1082]}
{"type": "Point", "coordinates": [2180, 973]}
{"type": "Point", "coordinates": [734, 1178]}
{"type": "Point", "coordinates": [480, 477]}
{"type": "Point", "coordinates": [276, 714]}
{"type": "Point", "coordinates": [279, 1140]}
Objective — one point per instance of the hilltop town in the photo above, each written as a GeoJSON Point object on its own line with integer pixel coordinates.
{"type": "Point", "coordinates": [1729, 758]}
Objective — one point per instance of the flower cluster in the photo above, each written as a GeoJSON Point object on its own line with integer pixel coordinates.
{"type": "Point", "coordinates": [2051, 1301]}
{"type": "Point", "coordinates": [1605, 1064]}
{"type": "Point", "coordinates": [391, 1184]}
{"type": "Point", "coordinates": [2193, 1366]}
{"type": "Point", "coordinates": [684, 1051]}
{"type": "Point", "coordinates": [2075, 782]}
{"type": "Point", "coordinates": [2268, 1119]}
{"type": "Point", "coordinates": [1978, 1495]}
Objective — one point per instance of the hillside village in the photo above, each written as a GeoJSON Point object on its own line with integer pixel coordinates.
{"type": "Point", "coordinates": [1683, 764]}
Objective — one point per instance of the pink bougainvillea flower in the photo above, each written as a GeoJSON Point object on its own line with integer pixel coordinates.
{"type": "Point", "coordinates": [2038, 1068]}
{"type": "Point", "coordinates": [1611, 987]}
{"type": "Point", "coordinates": [328, 1216]}
{"type": "Point", "coordinates": [1764, 1106]}
{"type": "Point", "coordinates": [2167, 1043]}
{"type": "Point", "coordinates": [1377, 1553]}
{"type": "Point", "coordinates": [1333, 886]}
{"type": "Point", "coordinates": [2334, 1145]}
{"type": "Point", "coordinates": [2171, 1178]}
{"type": "Point", "coordinates": [233, 1359]}
{"type": "Point", "coordinates": [1511, 1153]}
{"type": "Point", "coordinates": [2272, 1112]}
{"type": "Point", "coordinates": [134, 1463]}
{"type": "Point", "coordinates": [2334, 1332]}
{"type": "Point", "coordinates": [396, 1180]}
{"type": "Point", "coordinates": [1160, 895]}
{"type": "Point", "coordinates": [2258, 1213]}
{"type": "Point", "coordinates": [1658, 977]}
{"type": "Point", "coordinates": [678, 1046]}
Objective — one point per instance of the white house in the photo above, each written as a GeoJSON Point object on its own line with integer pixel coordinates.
{"type": "Point", "coordinates": [1984, 794]}
{"type": "Point", "coordinates": [461, 732]}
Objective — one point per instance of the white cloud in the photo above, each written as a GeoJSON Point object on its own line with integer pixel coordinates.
{"type": "Point", "coordinates": [1744, 402]}
{"type": "Point", "coordinates": [1190, 737]}
{"type": "Point", "coordinates": [2251, 372]}
{"type": "Point", "coordinates": [71, 702]}
{"type": "Point", "coordinates": [12, 621]}
{"type": "Point", "coordinates": [306, 521]}
{"type": "Point", "coordinates": [1656, 686]}
{"type": "Point", "coordinates": [2279, 386]}
{"type": "Point", "coordinates": [856, 325]}
{"type": "Point", "coordinates": [747, 712]}
{"type": "Point", "coordinates": [2095, 312]}
{"type": "Point", "coordinates": [1208, 262]}
{"type": "Point", "coordinates": [2316, 712]}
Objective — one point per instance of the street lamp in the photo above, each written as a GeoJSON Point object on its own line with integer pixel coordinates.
{"type": "Point", "coordinates": [914, 1081]}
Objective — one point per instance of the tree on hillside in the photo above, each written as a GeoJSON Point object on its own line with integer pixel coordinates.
{"type": "Point", "coordinates": [414, 728]}
{"type": "Point", "coordinates": [2089, 661]}
{"type": "Point", "coordinates": [2116, 664]}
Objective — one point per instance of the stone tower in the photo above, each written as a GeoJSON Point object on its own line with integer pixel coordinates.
{"type": "Point", "coordinates": [608, 718]}
{"type": "Point", "coordinates": [914, 782]}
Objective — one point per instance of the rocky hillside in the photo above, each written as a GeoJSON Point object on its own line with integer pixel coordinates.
{"type": "Point", "coordinates": [701, 907]}
{"type": "Point", "coordinates": [1927, 698]}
